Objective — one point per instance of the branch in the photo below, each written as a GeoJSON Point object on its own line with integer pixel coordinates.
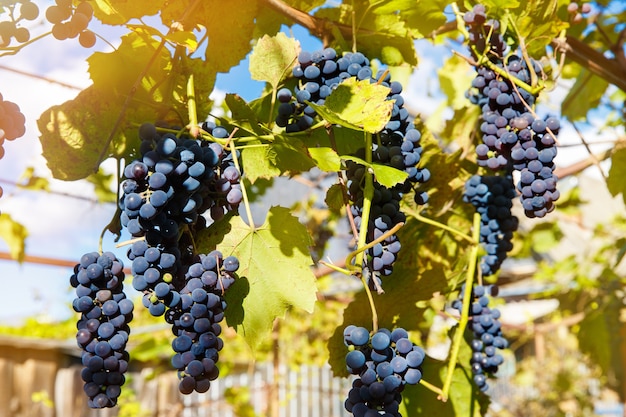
{"type": "Point", "coordinates": [321, 28]}
{"type": "Point", "coordinates": [594, 61]}
{"type": "Point", "coordinates": [580, 166]}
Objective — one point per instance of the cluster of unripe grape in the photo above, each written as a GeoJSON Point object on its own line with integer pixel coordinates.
{"type": "Point", "coordinates": [69, 22]}
{"type": "Point", "coordinates": [11, 29]}
{"type": "Point", "coordinates": [576, 11]}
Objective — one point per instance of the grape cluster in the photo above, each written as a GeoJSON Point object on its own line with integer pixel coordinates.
{"type": "Point", "coordinates": [512, 137]}
{"type": "Point", "coordinates": [195, 320]}
{"type": "Point", "coordinates": [492, 196]}
{"type": "Point", "coordinates": [12, 122]}
{"type": "Point", "coordinates": [103, 326]}
{"type": "Point", "coordinates": [384, 363]}
{"type": "Point", "coordinates": [174, 182]}
{"type": "Point", "coordinates": [487, 331]}
{"type": "Point", "coordinates": [577, 11]}
{"type": "Point", "coordinates": [9, 29]}
{"type": "Point", "coordinates": [166, 192]}
{"type": "Point", "coordinates": [69, 22]}
{"type": "Point", "coordinates": [397, 145]}
{"type": "Point", "coordinates": [227, 189]}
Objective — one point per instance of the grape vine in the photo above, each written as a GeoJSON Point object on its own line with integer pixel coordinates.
{"type": "Point", "coordinates": [428, 209]}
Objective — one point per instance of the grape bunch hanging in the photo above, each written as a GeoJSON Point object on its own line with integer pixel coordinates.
{"type": "Point", "coordinates": [165, 194]}
{"type": "Point", "coordinates": [486, 328]}
{"type": "Point", "coordinates": [385, 363]}
{"type": "Point", "coordinates": [396, 145]}
{"type": "Point", "coordinates": [513, 137]}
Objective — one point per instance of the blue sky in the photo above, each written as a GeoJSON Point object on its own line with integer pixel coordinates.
{"type": "Point", "coordinates": [65, 228]}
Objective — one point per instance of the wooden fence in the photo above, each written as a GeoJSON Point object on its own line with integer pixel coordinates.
{"type": "Point", "coordinates": [42, 378]}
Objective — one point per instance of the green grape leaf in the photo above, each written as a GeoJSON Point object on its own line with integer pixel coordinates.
{"type": "Point", "coordinates": [584, 95]}
{"type": "Point", "coordinates": [274, 273]}
{"type": "Point", "coordinates": [230, 26]}
{"type": "Point", "coordinates": [616, 181]}
{"type": "Point", "coordinates": [255, 162]}
{"type": "Point", "coordinates": [596, 336]}
{"type": "Point", "coordinates": [344, 141]}
{"type": "Point", "coordinates": [103, 183]}
{"type": "Point", "coordinates": [383, 174]}
{"type": "Point", "coordinates": [289, 154]}
{"type": "Point", "coordinates": [242, 112]}
{"type": "Point", "coordinates": [326, 159]}
{"type": "Point", "coordinates": [358, 105]}
{"type": "Point", "coordinates": [14, 234]}
{"type": "Point", "coordinates": [273, 58]}
{"type": "Point", "coordinates": [382, 30]}
{"type": "Point", "coordinates": [78, 130]}
{"type": "Point", "coordinates": [426, 16]}
{"type": "Point", "coordinates": [455, 78]}
{"type": "Point", "coordinates": [335, 197]}
{"type": "Point", "coordinates": [545, 236]}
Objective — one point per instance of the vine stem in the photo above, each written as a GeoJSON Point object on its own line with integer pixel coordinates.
{"type": "Point", "coordinates": [192, 111]}
{"type": "Point", "coordinates": [431, 387]}
{"type": "Point", "coordinates": [130, 241]}
{"type": "Point", "coordinates": [246, 202]}
{"type": "Point", "coordinates": [469, 280]}
{"type": "Point", "coordinates": [438, 224]}
{"type": "Point", "coordinates": [373, 243]}
{"type": "Point", "coordinates": [368, 195]}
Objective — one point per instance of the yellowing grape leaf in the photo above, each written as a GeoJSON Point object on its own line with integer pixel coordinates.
{"type": "Point", "coordinates": [14, 234]}
{"type": "Point", "coordinates": [274, 272]}
{"type": "Point", "coordinates": [273, 58]}
{"type": "Point", "coordinates": [358, 105]}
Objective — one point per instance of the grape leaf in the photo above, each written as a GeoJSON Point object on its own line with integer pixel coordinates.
{"type": "Point", "coordinates": [103, 186]}
{"type": "Point", "coordinates": [289, 154]}
{"type": "Point", "coordinates": [256, 164]}
{"type": "Point", "coordinates": [30, 181]}
{"type": "Point", "coordinates": [77, 130]}
{"type": "Point", "coordinates": [326, 159]}
{"type": "Point", "coordinates": [14, 234]}
{"type": "Point", "coordinates": [272, 58]}
{"type": "Point", "coordinates": [616, 181]}
{"type": "Point", "coordinates": [584, 95]}
{"type": "Point", "coordinates": [274, 272]}
{"type": "Point", "coordinates": [382, 30]}
{"type": "Point", "coordinates": [343, 141]}
{"type": "Point", "coordinates": [383, 174]}
{"type": "Point", "coordinates": [242, 113]}
{"type": "Point", "coordinates": [358, 105]}
{"type": "Point", "coordinates": [454, 79]}
{"type": "Point", "coordinates": [426, 16]}
{"type": "Point", "coordinates": [119, 12]}
{"type": "Point", "coordinates": [335, 197]}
